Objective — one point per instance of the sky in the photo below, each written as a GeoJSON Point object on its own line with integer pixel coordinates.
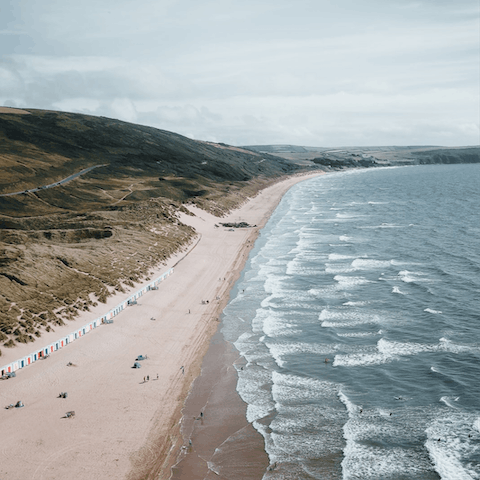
{"type": "Point", "coordinates": [253, 72]}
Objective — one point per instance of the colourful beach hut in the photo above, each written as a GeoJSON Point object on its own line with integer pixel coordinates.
{"type": "Point", "coordinates": [6, 369]}
{"type": "Point", "coordinates": [62, 342]}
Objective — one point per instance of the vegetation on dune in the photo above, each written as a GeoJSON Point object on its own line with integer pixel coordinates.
{"type": "Point", "coordinates": [63, 249]}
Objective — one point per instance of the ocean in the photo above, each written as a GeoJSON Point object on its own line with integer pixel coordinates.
{"type": "Point", "coordinates": [358, 316]}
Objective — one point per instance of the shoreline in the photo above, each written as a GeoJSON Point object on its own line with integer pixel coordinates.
{"type": "Point", "coordinates": [218, 441]}
{"type": "Point", "coordinates": [214, 414]}
{"type": "Point", "coordinates": [125, 426]}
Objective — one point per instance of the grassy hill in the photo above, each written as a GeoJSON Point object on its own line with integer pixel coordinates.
{"type": "Point", "coordinates": [64, 247]}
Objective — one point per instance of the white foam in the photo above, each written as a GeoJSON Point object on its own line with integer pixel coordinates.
{"type": "Point", "coordinates": [449, 445]}
{"type": "Point", "coordinates": [405, 276]}
{"type": "Point", "coordinates": [274, 283]}
{"type": "Point", "coordinates": [253, 386]}
{"type": "Point", "coordinates": [369, 264]}
{"type": "Point", "coordinates": [347, 318]}
{"type": "Point", "coordinates": [449, 401]}
{"type": "Point", "coordinates": [364, 456]}
{"type": "Point", "coordinates": [298, 429]}
{"type": "Point", "coordinates": [275, 325]}
{"type": "Point", "coordinates": [350, 282]}
{"type": "Point", "coordinates": [356, 304]}
{"type": "Point", "coordinates": [383, 225]}
{"type": "Point", "coordinates": [257, 412]}
{"type": "Point", "coordinates": [359, 334]}
{"type": "Point", "coordinates": [301, 266]}
{"type": "Point", "coordinates": [348, 216]}
{"type": "Point", "coordinates": [404, 349]}
{"type": "Point", "coordinates": [280, 350]}
{"type": "Point", "coordinates": [448, 346]}
{"type": "Point", "coordinates": [329, 291]}
{"type": "Point", "coordinates": [369, 462]}
{"type": "Point", "coordinates": [288, 388]}
{"type": "Point", "coordinates": [476, 424]}
{"type": "Point", "coordinates": [344, 238]}
{"type": "Point", "coordinates": [387, 351]}
{"type": "Point", "coordinates": [409, 277]}
{"type": "Point", "coordinates": [351, 407]}
{"type": "Point", "coordinates": [397, 290]}
{"type": "Point", "coordinates": [429, 310]}
{"type": "Point", "coordinates": [336, 256]}
{"type": "Point", "coordinates": [336, 268]}
{"type": "Point", "coordinates": [361, 359]}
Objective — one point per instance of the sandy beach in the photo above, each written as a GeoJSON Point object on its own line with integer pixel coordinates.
{"type": "Point", "coordinates": [125, 426]}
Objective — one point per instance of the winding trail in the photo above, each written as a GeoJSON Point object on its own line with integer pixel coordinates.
{"type": "Point", "coordinates": [51, 185]}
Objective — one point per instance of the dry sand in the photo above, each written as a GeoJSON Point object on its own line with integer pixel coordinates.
{"type": "Point", "coordinates": [125, 427]}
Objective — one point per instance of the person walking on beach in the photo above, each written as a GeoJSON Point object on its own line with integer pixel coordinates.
{"type": "Point", "coordinates": [148, 378]}
{"type": "Point", "coordinates": [182, 368]}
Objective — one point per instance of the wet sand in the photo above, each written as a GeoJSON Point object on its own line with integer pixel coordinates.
{"type": "Point", "coordinates": [218, 441]}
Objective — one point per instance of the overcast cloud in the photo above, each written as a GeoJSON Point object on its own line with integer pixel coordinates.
{"type": "Point", "coordinates": [304, 72]}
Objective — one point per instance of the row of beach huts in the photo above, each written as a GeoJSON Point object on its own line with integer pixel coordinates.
{"type": "Point", "coordinates": [44, 352]}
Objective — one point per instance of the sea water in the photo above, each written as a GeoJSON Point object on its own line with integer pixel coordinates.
{"type": "Point", "coordinates": [358, 315]}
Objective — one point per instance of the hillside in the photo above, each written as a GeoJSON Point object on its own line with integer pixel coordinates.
{"type": "Point", "coordinates": [67, 243]}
